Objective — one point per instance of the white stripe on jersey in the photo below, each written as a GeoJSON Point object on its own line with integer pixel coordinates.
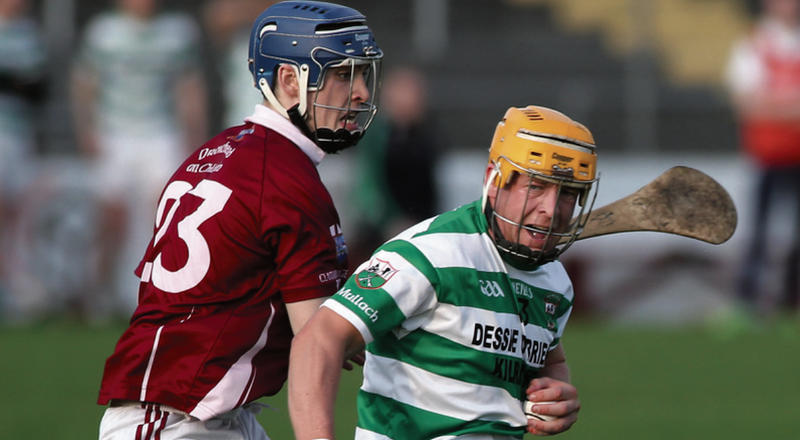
{"type": "Point", "coordinates": [363, 434]}
{"type": "Point", "coordinates": [419, 227]}
{"type": "Point", "coordinates": [412, 280]}
{"type": "Point", "coordinates": [458, 325]}
{"type": "Point", "coordinates": [351, 317]}
{"type": "Point", "coordinates": [475, 251]}
{"type": "Point", "coordinates": [553, 277]}
{"type": "Point", "coordinates": [236, 381]}
{"type": "Point", "coordinates": [454, 398]}
{"type": "Point", "coordinates": [142, 395]}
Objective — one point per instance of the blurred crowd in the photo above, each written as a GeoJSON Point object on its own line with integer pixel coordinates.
{"type": "Point", "coordinates": [73, 226]}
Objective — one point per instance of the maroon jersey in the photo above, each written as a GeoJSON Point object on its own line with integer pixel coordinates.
{"type": "Point", "coordinates": [243, 227]}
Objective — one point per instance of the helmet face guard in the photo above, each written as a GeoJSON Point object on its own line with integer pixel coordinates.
{"type": "Point", "coordinates": [356, 116]}
{"type": "Point", "coordinates": [314, 37]}
{"type": "Point", "coordinates": [540, 160]}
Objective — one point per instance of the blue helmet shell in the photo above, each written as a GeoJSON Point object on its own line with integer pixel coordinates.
{"type": "Point", "coordinates": [315, 34]}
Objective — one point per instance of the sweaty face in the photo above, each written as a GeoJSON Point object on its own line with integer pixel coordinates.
{"type": "Point", "coordinates": [530, 210]}
{"type": "Point", "coordinates": [344, 92]}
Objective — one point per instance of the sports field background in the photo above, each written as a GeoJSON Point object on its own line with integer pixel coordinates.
{"type": "Point", "coordinates": [635, 383]}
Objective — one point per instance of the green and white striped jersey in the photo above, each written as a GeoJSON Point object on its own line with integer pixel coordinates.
{"type": "Point", "coordinates": [137, 64]}
{"type": "Point", "coordinates": [453, 333]}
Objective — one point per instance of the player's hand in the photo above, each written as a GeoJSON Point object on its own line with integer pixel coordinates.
{"type": "Point", "coordinates": [546, 389]}
{"type": "Point", "coordinates": [357, 359]}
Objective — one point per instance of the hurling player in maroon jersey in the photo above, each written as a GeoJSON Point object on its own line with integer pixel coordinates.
{"type": "Point", "coordinates": [246, 241]}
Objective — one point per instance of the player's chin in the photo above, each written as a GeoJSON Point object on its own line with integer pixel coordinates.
{"type": "Point", "coordinates": [540, 246]}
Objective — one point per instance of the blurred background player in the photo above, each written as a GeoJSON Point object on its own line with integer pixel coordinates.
{"type": "Point", "coordinates": [22, 91]}
{"type": "Point", "coordinates": [387, 196]}
{"type": "Point", "coordinates": [247, 242]}
{"type": "Point", "coordinates": [228, 25]}
{"type": "Point", "coordinates": [139, 104]}
{"type": "Point", "coordinates": [462, 315]}
{"type": "Point", "coordinates": [764, 79]}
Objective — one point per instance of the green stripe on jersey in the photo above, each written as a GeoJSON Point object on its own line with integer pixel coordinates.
{"type": "Point", "coordinates": [492, 285]}
{"type": "Point", "coordinates": [415, 257]}
{"type": "Point", "coordinates": [444, 357]}
{"type": "Point", "coordinates": [400, 421]}
{"type": "Point", "coordinates": [467, 219]}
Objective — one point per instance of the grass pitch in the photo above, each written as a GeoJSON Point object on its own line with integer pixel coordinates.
{"type": "Point", "coordinates": [634, 383]}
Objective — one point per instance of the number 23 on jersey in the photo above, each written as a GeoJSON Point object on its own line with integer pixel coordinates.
{"type": "Point", "coordinates": [214, 196]}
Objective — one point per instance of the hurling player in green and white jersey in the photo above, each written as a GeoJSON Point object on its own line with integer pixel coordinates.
{"type": "Point", "coordinates": [462, 315]}
{"type": "Point", "coordinates": [139, 105]}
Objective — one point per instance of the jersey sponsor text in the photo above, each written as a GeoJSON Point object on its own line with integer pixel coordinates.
{"type": "Point", "coordinates": [203, 168]}
{"type": "Point", "coordinates": [509, 340]}
{"type": "Point", "coordinates": [359, 302]}
{"type": "Point", "coordinates": [225, 149]}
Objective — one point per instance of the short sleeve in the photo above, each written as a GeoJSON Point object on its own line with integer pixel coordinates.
{"type": "Point", "coordinates": [301, 227]}
{"type": "Point", "coordinates": [391, 291]}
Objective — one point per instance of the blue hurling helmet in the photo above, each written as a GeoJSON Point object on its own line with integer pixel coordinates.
{"type": "Point", "coordinates": [313, 37]}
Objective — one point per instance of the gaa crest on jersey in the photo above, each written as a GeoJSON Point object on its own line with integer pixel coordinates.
{"type": "Point", "coordinates": [377, 273]}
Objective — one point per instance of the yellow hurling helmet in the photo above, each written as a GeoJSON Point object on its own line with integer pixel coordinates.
{"type": "Point", "coordinates": [540, 144]}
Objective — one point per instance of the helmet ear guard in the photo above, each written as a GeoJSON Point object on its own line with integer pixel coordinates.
{"type": "Point", "coordinates": [546, 146]}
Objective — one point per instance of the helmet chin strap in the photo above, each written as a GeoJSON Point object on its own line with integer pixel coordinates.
{"type": "Point", "coordinates": [302, 84]}
{"type": "Point", "coordinates": [273, 101]}
{"type": "Point", "coordinates": [330, 141]}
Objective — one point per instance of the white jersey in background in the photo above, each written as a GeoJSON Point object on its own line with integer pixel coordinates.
{"type": "Point", "coordinates": [137, 63]}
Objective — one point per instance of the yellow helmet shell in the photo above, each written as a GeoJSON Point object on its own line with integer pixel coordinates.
{"type": "Point", "coordinates": [545, 143]}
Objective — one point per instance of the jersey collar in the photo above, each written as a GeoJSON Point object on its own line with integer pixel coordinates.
{"type": "Point", "coordinates": [269, 118]}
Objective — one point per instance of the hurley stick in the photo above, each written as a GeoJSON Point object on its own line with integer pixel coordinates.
{"type": "Point", "coordinates": [681, 201]}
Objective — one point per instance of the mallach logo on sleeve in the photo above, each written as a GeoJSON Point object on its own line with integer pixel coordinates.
{"type": "Point", "coordinates": [358, 301]}
{"type": "Point", "coordinates": [377, 273]}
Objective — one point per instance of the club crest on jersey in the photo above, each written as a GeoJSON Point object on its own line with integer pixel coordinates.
{"type": "Point", "coordinates": [242, 134]}
{"type": "Point", "coordinates": [551, 304]}
{"type": "Point", "coordinates": [377, 273]}
{"type": "Point", "coordinates": [341, 246]}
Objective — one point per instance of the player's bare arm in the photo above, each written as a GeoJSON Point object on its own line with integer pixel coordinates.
{"type": "Point", "coordinates": [300, 312]}
{"type": "Point", "coordinates": [553, 386]}
{"type": "Point", "coordinates": [317, 352]}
